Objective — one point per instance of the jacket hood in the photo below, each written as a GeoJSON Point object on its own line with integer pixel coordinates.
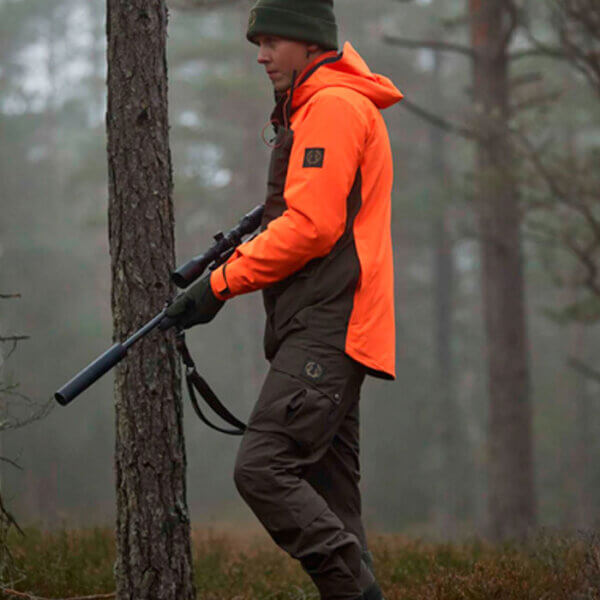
{"type": "Point", "coordinates": [345, 69]}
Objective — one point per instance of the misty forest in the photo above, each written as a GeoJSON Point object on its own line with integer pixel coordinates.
{"type": "Point", "coordinates": [131, 132]}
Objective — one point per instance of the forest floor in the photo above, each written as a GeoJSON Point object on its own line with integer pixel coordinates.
{"type": "Point", "coordinates": [239, 566]}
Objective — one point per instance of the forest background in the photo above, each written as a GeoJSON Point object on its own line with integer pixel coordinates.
{"type": "Point", "coordinates": [54, 253]}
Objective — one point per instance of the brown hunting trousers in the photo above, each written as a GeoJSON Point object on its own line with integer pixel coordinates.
{"type": "Point", "coordinates": [298, 464]}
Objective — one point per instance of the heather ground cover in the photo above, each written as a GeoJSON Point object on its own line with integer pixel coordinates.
{"type": "Point", "coordinates": [242, 566]}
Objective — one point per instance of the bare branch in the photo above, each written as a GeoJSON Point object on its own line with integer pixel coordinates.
{"type": "Point", "coordinates": [584, 369]}
{"type": "Point", "coordinates": [577, 24]}
{"type": "Point", "coordinates": [536, 101]}
{"type": "Point", "coordinates": [11, 462]}
{"type": "Point", "coordinates": [9, 517]}
{"type": "Point", "coordinates": [39, 412]}
{"type": "Point", "coordinates": [562, 189]}
{"type": "Point", "coordinates": [582, 254]}
{"type": "Point", "coordinates": [438, 121]}
{"type": "Point", "coordinates": [13, 338]}
{"type": "Point", "coordinates": [543, 51]}
{"type": "Point", "coordinates": [428, 44]}
{"type": "Point", "coordinates": [554, 186]}
{"type": "Point", "coordinates": [514, 21]}
{"type": "Point", "coordinates": [534, 156]}
{"type": "Point", "coordinates": [10, 352]}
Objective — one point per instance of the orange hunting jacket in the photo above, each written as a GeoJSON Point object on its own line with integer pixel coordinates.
{"type": "Point", "coordinates": [326, 255]}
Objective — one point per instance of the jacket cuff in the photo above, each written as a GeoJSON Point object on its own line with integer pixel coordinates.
{"type": "Point", "coordinates": [218, 284]}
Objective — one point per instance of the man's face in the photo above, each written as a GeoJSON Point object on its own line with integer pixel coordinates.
{"type": "Point", "coordinates": [281, 57]}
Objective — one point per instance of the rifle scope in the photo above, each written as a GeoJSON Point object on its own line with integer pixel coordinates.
{"type": "Point", "coordinates": [219, 251]}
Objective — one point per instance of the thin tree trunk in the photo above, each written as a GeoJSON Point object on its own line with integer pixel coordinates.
{"type": "Point", "coordinates": [511, 487]}
{"type": "Point", "coordinates": [449, 464]}
{"type": "Point", "coordinates": [575, 454]}
{"type": "Point", "coordinates": [574, 398]}
{"type": "Point", "coordinates": [153, 528]}
{"type": "Point", "coordinates": [576, 401]}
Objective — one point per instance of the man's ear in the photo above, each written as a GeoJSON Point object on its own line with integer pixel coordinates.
{"type": "Point", "coordinates": [311, 49]}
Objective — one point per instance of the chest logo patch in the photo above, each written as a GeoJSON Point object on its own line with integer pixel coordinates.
{"type": "Point", "coordinates": [313, 370]}
{"type": "Point", "coordinates": [313, 157]}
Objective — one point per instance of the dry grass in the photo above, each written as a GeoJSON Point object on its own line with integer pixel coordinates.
{"type": "Point", "coordinates": [245, 565]}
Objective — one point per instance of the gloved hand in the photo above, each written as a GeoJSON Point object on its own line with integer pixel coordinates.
{"type": "Point", "coordinates": [198, 304]}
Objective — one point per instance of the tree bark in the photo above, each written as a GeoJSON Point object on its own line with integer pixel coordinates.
{"type": "Point", "coordinates": [511, 480]}
{"type": "Point", "coordinates": [153, 528]}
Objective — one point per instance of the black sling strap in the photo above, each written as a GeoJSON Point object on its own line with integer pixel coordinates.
{"type": "Point", "coordinates": [195, 382]}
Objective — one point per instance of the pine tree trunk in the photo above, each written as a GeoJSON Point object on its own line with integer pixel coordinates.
{"type": "Point", "coordinates": [153, 529]}
{"type": "Point", "coordinates": [511, 486]}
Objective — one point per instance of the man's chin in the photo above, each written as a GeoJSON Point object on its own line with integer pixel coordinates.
{"type": "Point", "coordinates": [281, 88]}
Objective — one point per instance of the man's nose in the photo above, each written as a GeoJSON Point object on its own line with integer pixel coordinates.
{"type": "Point", "coordinates": [262, 56]}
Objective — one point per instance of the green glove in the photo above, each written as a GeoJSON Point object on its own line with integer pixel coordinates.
{"type": "Point", "coordinates": [197, 304]}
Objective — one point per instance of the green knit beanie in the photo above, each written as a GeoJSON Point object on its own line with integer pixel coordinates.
{"type": "Point", "coordinates": [310, 21]}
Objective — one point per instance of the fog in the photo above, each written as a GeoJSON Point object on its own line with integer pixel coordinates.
{"type": "Point", "coordinates": [54, 254]}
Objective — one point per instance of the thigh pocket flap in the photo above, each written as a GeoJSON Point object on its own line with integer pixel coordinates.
{"type": "Point", "coordinates": [293, 407]}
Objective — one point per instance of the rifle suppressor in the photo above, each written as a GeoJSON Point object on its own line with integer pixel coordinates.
{"type": "Point", "coordinates": [90, 374]}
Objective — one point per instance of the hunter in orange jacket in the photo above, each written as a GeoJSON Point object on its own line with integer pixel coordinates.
{"type": "Point", "coordinates": [339, 162]}
{"type": "Point", "coordinates": [323, 260]}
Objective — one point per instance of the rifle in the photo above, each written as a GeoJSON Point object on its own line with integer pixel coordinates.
{"type": "Point", "coordinates": [222, 248]}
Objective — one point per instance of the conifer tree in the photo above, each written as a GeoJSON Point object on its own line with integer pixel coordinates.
{"type": "Point", "coordinates": [153, 526]}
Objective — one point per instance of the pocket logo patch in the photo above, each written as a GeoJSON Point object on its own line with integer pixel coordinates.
{"type": "Point", "coordinates": [313, 370]}
{"type": "Point", "coordinates": [313, 157]}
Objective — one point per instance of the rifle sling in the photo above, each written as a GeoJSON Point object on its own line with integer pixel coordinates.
{"type": "Point", "coordinates": [195, 382]}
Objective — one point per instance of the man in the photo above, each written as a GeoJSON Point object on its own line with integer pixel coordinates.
{"type": "Point", "coordinates": [324, 262]}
